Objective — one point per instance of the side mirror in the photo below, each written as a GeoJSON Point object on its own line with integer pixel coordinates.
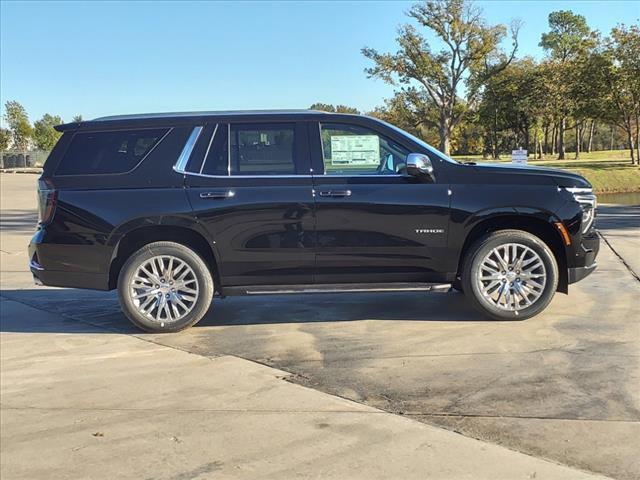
{"type": "Point", "coordinates": [419, 165]}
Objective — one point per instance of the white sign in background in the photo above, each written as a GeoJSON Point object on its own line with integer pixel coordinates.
{"type": "Point", "coordinates": [355, 150]}
{"type": "Point", "coordinates": [519, 156]}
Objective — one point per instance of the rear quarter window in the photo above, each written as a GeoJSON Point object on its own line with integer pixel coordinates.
{"type": "Point", "coordinates": [108, 152]}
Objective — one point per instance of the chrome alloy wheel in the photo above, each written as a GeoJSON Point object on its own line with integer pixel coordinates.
{"type": "Point", "coordinates": [512, 277]}
{"type": "Point", "coordinates": [164, 289]}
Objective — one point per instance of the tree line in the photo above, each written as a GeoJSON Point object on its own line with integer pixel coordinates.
{"type": "Point", "coordinates": [469, 95]}
{"type": "Point", "coordinates": [22, 135]}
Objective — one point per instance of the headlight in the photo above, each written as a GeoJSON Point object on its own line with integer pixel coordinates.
{"type": "Point", "coordinates": [589, 202]}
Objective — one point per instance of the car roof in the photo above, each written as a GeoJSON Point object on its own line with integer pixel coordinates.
{"type": "Point", "coordinates": [176, 118]}
{"type": "Point", "coordinates": [198, 114]}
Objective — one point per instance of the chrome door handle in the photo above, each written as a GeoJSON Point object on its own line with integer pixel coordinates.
{"type": "Point", "coordinates": [336, 193]}
{"type": "Point", "coordinates": [218, 194]}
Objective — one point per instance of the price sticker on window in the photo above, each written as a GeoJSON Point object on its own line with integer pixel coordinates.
{"type": "Point", "coordinates": [356, 150]}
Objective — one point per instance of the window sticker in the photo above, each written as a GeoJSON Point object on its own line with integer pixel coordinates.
{"type": "Point", "coordinates": [356, 150]}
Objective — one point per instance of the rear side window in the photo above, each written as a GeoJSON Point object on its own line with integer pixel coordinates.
{"type": "Point", "coordinates": [217, 154]}
{"type": "Point", "coordinates": [262, 149]}
{"type": "Point", "coordinates": [116, 151]}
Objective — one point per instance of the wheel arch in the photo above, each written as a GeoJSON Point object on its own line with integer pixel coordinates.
{"type": "Point", "coordinates": [541, 228]}
{"type": "Point", "coordinates": [136, 238]}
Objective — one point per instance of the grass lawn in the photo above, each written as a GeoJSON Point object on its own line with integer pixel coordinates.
{"type": "Point", "coordinates": [608, 171]}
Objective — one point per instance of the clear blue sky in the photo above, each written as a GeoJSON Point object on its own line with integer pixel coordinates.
{"type": "Point", "coordinates": [101, 58]}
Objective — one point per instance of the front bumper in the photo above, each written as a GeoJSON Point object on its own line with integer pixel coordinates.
{"type": "Point", "coordinates": [578, 273]}
{"type": "Point", "coordinates": [584, 258]}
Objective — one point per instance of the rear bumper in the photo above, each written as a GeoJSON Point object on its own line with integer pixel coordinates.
{"type": "Point", "coordinates": [578, 273]}
{"type": "Point", "coordinates": [69, 279]}
{"type": "Point", "coordinates": [50, 268]}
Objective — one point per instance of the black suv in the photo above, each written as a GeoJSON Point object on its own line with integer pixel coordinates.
{"type": "Point", "coordinates": [172, 209]}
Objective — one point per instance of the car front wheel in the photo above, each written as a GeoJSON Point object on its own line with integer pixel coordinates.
{"type": "Point", "coordinates": [165, 287]}
{"type": "Point", "coordinates": [510, 274]}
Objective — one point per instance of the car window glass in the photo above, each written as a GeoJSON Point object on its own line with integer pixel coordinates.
{"type": "Point", "coordinates": [200, 149]}
{"type": "Point", "coordinates": [217, 154]}
{"type": "Point", "coordinates": [356, 150]}
{"type": "Point", "coordinates": [106, 152]}
{"type": "Point", "coordinates": [265, 149]}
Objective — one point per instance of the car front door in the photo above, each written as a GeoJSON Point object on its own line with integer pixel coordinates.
{"type": "Point", "coordinates": [374, 223]}
{"type": "Point", "coordinates": [249, 185]}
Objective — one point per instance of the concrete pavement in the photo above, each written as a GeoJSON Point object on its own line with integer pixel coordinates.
{"type": "Point", "coordinates": [563, 385]}
{"type": "Point", "coordinates": [620, 226]}
{"type": "Point", "coordinates": [92, 404]}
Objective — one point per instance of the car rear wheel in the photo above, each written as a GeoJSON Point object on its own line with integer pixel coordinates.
{"type": "Point", "coordinates": [165, 287]}
{"type": "Point", "coordinates": [510, 274]}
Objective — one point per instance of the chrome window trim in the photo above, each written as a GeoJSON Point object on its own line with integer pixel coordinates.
{"type": "Point", "coordinates": [206, 154]}
{"type": "Point", "coordinates": [228, 149]}
{"type": "Point", "coordinates": [181, 163]}
{"type": "Point", "coordinates": [374, 175]}
{"type": "Point", "coordinates": [301, 175]}
{"type": "Point", "coordinates": [246, 176]}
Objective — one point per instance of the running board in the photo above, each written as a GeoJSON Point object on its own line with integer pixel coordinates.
{"type": "Point", "coordinates": [337, 288]}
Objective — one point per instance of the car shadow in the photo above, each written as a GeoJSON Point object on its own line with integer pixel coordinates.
{"type": "Point", "coordinates": [82, 311]}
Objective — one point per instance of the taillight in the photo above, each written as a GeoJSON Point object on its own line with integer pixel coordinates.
{"type": "Point", "coordinates": [47, 197]}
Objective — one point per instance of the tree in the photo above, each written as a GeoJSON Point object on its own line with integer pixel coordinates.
{"type": "Point", "coordinates": [77, 118]}
{"type": "Point", "coordinates": [5, 139]}
{"type": "Point", "coordinates": [44, 135]}
{"type": "Point", "coordinates": [18, 121]}
{"type": "Point", "coordinates": [569, 38]}
{"type": "Point", "coordinates": [410, 110]}
{"type": "Point", "coordinates": [470, 56]}
{"type": "Point", "coordinates": [327, 107]}
{"type": "Point", "coordinates": [511, 108]}
{"type": "Point", "coordinates": [619, 67]}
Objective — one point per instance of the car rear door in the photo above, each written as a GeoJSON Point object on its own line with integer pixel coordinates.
{"type": "Point", "coordinates": [249, 185]}
{"type": "Point", "coordinates": [374, 223]}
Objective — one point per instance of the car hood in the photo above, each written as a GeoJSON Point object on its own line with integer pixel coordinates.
{"type": "Point", "coordinates": [561, 177]}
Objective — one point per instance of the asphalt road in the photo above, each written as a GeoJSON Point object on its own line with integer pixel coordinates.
{"type": "Point", "coordinates": [564, 385]}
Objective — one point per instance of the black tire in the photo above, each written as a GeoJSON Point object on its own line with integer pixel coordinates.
{"type": "Point", "coordinates": [471, 271]}
{"type": "Point", "coordinates": [200, 271]}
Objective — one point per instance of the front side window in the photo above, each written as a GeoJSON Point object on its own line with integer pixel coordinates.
{"type": "Point", "coordinates": [356, 150]}
{"type": "Point", "coordinates": [116, 151]}
{"type": "Point", "coordinates": [262, 149]}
